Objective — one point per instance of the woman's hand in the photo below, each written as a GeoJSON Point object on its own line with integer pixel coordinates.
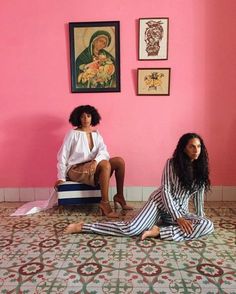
{"type": "Point", "coordinates": [58, 182]}
{"type": "Point", "coordinates": [185, 225]}
{"type": "Point", "coordinates": [92, 168]}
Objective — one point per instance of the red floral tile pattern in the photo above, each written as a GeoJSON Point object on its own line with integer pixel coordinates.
{"type": "Point", "coordinates": [36, 257]}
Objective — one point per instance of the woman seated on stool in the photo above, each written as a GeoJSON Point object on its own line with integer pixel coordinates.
{"type": "Point", "coordinates": [185, 175]}
{"type": "Point", "coordinates": [83, 157]}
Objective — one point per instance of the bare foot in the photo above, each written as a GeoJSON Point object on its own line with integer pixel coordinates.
{"type": "Point", "coordinates": [153, 232]}
{"type": "Point", "coordinates": [74, 228]}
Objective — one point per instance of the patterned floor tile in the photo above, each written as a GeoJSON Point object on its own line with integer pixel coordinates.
{"type": "Point", "coordinates": [90, 274]}
{"type": "Point", "coordinates": [37, 257]}
{"type": "Point", "coordinates": [210, 276]}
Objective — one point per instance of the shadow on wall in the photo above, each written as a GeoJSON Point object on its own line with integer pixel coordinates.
{"type": "Point", "coordinates": [31, 147]}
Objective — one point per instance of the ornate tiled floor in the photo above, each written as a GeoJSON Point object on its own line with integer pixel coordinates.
{"type": "Point", "coordinates": [36, 257]}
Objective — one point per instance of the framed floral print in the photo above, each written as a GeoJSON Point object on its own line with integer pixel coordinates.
{"type": "Point", "coordinates": [153, 38]}
{"type": "Point", "coordinates": [95, 56]}
{"type": "Point", "coordinates": [154, 81]}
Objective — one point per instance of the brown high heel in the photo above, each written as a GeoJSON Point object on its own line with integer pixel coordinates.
{"type": "Point", "coordinates": [118, 199]}
{"type": "Point", "coordinates": [105, 209]}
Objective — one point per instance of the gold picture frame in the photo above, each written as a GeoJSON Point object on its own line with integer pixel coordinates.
{"type": "Point", "coordinates": [153, 81]}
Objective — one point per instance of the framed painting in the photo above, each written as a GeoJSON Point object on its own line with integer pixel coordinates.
{"type": "Point", "coordinates": [95, 56]}
{"type": "Point", "coordinates": [154, 81]}
{"type": "Point", "coordinates": [153, 38]}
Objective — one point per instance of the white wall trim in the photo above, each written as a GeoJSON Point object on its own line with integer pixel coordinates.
{"type": "Point", "coordinates": [133, 193]}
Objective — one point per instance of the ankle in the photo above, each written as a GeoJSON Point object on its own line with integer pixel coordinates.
{"type": "Point", "coordinates": [105, 204]}
{"type": "Point", "coordinates": [120, 196]}
{"type": "Point", "coordinates": [105, 201]}
{"type": "Point", "coordinates": [106, 209]}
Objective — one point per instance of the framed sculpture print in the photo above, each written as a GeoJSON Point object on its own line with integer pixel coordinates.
{"type": "Point", "coordinates": [154, 81]}
{"type": "Point", "coordinates": [153, 38]}
{"type": "Point", "coordinates": [95, 56]}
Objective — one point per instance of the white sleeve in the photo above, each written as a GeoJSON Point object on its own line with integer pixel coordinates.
{"type": "Point", "coordinates": [198, 201]}
{"type": "Point", "coordinates": [167, 182]}
{"type": "Point", "coordinates": [102, 150]}
{"type": "Point", "coordinates": [62, 157]}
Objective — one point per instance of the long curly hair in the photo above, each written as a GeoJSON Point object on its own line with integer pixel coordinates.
{"type": "Point", "coordinates": [195, 174]}
{"type": "Point", "coordinates": [75, 116]}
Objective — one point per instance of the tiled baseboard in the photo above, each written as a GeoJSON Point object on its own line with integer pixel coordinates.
{"type": "Point", "coordinates": [138, 193]}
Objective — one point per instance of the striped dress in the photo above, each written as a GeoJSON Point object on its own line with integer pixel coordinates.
{"type": "Point", "coordinates": [167, 203]}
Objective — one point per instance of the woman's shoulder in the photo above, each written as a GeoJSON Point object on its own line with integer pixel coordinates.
{"type": "Point", "coordinates": [169, 161]}
{"type": "Point", "coordinates": [77, 132]}
{"type": "Point", "coordinates": [97, 134]}
{"type": "Point", "coordinates": [73, 133]}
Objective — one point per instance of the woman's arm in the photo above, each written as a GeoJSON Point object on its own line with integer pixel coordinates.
{"type": "Point", "coordinates": [198, 201]}
{"type": "Point", "coordinates": [63, 156]}
{"type": "Point", "coordinates": [102, 153]}
{"type": "Point", "coordinates": [169, 180]}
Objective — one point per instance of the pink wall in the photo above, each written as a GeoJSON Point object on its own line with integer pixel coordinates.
{"type": "Point", "coordinates": [36, 99]}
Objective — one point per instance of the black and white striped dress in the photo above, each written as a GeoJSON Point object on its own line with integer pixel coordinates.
{"type": "Point", "coordinates": [167, 203]}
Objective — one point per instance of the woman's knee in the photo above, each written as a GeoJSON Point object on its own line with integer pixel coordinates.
{"type": "Point", "coordinates": [208, 225]}
{"type": "Point", "coordinates": [117, 161]}
{"type": "Point", "coordinates": [104, 165]}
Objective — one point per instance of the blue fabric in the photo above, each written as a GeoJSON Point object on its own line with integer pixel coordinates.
{"type": "Point", "coordinates": [76, 187]}
{"type": "Point", "coordinates": [81, 194]}
{"type": "Point", "coordinates": [75, 201]}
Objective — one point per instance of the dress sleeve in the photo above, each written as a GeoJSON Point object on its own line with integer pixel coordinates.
{"type": "Point", "coordinates": [62, 157]}
{"type": "Point", "coordinates": [168, 180]}
{"type": "Point", "coordinates": [102, 153]}
{"type": "Point", "coordinates": [198, 201]}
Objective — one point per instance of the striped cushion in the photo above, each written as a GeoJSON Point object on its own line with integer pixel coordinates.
{"type": "Point", "coordinates": [76, 193]}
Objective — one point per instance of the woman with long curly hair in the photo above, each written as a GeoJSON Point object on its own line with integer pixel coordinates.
{"type": "Point", "coordinates": [83, 157]}
{"type": "Point", "coordinates": [185, 176]}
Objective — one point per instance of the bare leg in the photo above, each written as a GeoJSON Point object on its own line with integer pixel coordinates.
{"type": "Point", "coordinates": [118, 166]}
{"type": "Point", "coordinates": [103, 172]}
{"type": "Point", "coordinates": [74, 228]}
{"type": "Point", "coordinates": [153, 232]}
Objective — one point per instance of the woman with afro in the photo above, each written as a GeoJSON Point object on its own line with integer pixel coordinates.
{"type": "Point", "coordinates": [83, 157]}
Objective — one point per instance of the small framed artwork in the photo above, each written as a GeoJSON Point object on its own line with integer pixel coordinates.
{"type": "Point", "coordinates": [153, 38]}
{"type": "Point", "coordinates": [154, 81]}
{"type": "Point", "coordinates": [95, 56]}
